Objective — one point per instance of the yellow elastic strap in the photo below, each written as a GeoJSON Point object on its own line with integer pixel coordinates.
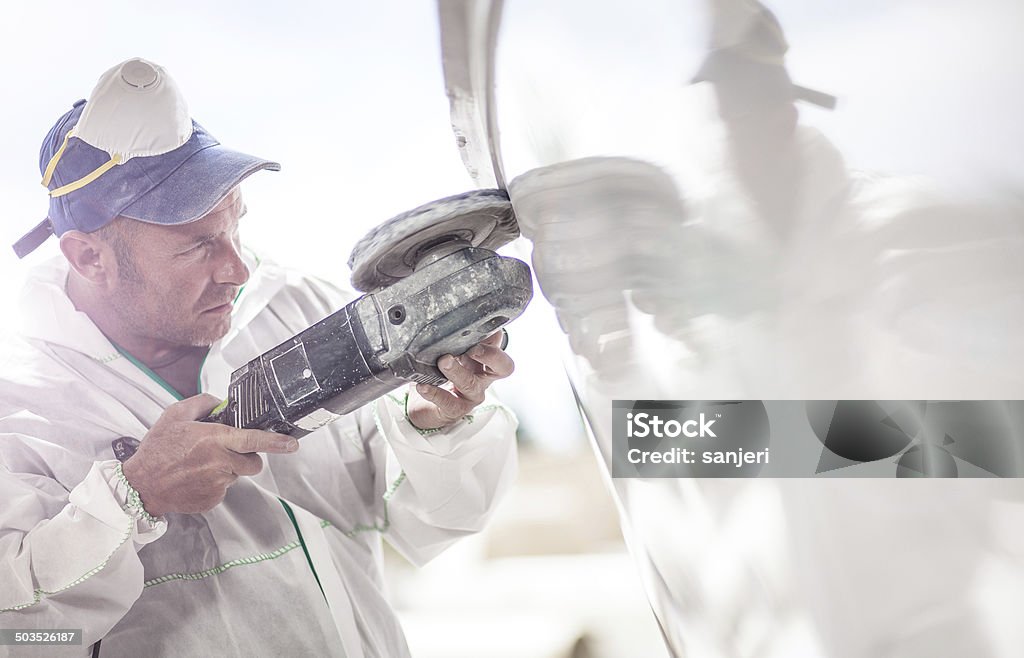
{"type": "Point", "coordinates": [52, 164]}
{"type": "Point", "coordinates": [88, 178]}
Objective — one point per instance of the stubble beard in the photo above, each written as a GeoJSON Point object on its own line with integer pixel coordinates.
{"type": "Point", "coordinates": [176, 326]}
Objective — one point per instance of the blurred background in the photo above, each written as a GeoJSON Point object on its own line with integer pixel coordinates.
{"type": "Point", "coordinates": [350, 98]}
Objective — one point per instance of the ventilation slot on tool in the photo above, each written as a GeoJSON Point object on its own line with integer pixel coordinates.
{"type": "Point", "coordinates": [252, 404]}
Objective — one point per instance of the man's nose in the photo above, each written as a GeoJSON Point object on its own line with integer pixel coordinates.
{"type": "Point", "coordinates": [230, 268]}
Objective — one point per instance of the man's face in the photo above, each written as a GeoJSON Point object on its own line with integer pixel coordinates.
{"type": "Point", "coordinates": [184, 278]}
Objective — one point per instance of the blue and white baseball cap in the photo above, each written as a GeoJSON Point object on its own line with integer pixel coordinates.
{"type": "Point", "coordinates": [132, 150]}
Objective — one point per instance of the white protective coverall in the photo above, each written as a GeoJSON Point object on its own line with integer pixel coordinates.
{"type": "Point", "coordinates": [289, 564]}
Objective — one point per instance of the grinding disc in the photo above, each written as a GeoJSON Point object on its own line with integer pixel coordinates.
{"type": "Point", "coordinates": [390, 252]}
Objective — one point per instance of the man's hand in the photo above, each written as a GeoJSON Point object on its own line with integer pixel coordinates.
{"type": "Point", "coordinates": [186, 466]}
{"type": "Point", "coordinates": [469, 376]}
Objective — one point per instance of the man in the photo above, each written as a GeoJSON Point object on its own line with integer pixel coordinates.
{"type": "Point", "coordinates": [155, 533]}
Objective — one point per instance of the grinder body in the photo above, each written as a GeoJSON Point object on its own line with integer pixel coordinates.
{"type": "Point", "coordinates": [377, 342]}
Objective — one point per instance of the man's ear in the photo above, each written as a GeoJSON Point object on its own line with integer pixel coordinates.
{"type": "Point", "coordinates": [90, 257]}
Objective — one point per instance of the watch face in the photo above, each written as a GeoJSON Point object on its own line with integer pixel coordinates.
{"type": "Point", "coordinates": [124, 447]}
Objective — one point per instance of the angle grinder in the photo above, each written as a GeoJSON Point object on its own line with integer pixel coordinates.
{"type": "Point", "coordinates": [434, 286]}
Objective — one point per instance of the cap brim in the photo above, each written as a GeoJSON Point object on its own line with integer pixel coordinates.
{"type": "Point", "coordinates": [193, 189]}
{"type": "Point", "coordinates": [31, 240]}
{"type": "Point", "coordinates": [756, 80]}
{"type": "Point", "coordinates": [815, 97]}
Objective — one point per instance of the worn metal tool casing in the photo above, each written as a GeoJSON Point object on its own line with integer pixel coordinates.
{"type": "Point", "coordinates": [377, 342]}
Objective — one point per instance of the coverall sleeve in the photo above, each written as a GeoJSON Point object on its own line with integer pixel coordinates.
{"type": "Point", "coordinates": [440, 485]}
{"type": "Point", "coordinates": [70, 559]}
{"type": "Point", "coordinates": [432, 486]}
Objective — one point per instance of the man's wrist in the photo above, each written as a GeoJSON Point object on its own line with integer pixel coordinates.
{"type": "Point", "coordinates": [422, 430]}
{"type": "Point", "coordinates": [130, 475]}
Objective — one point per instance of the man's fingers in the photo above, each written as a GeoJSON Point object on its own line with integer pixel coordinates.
{"type": "Point", "coordinates": [494, 339]}
{"type": "Point", "coordinates": [470, 375]}
{"type": "Point", "coordinates": [245, 463]}
{"type": "Point", "coordinates": [193, 408]}
{"type": "Point", "coordinates": [450, 405]}
{"type": "Point", "coordinates": [495, 360]}
{"type": "Point", "coordinates": [469, 384]}
{"type": "Point", "coordinates": [224, 480]}
{"type": "Point", "coordinates": [247, 441]}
